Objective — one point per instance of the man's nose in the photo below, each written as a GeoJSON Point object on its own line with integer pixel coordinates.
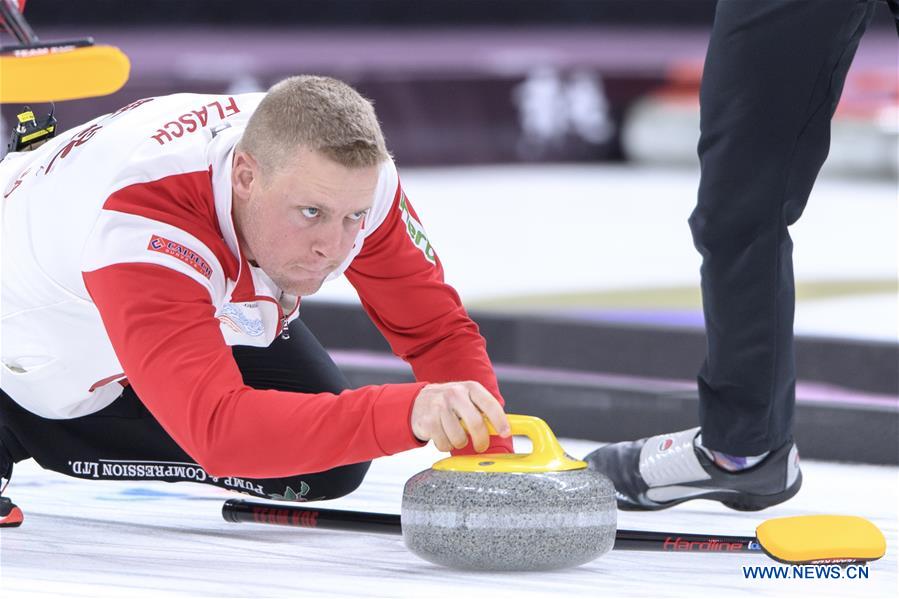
{"type": "Point", "coordinates": [329, 243]}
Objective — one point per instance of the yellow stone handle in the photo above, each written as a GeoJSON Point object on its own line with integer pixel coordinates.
{"type": "Point", "coordinates": [546, 456]}
{"type": "Point", "coordinates": [544, 442]}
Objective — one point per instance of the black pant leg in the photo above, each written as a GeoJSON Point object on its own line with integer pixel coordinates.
{"type": "Point", "coordinates": [773, 76]}
{"type": "Point", "coordinates": [124, 442]}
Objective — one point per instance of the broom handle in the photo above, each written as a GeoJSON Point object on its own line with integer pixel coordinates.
{"type": "Point", "coordinates": [238, 510]}
{"type": "Point", "coordinates": [15, 23]}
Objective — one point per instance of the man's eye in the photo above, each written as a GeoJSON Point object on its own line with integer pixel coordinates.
{"type": "Point", "coordinates": [310, 212]}
{"type": "Point", "coordinates": [357, 216]}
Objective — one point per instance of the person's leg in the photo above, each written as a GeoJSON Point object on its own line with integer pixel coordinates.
{"type": "Point", "coordinates": [124, 441]}
{"type": "Point", "coordinates": [773, 75]}
{"type": "Point", "coordinates": [772, 79]}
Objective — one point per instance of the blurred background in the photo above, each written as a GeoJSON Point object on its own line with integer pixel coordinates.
{"type": "Point", "coordinates": [473, 81]}
{"type": "Point", "coordinates": [549, 147]}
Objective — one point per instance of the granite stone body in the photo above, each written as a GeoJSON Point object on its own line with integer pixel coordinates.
{"type": "Point", "coordinates": [509, 521]}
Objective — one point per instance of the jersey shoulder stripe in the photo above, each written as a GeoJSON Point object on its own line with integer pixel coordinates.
{"type": "Point", "coordinates": [184, 201]}
{"type": "Point", "coordinates": [121, 238]}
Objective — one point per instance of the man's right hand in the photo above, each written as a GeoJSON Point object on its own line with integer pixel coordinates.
{"type": "Point", "coordinates": [439, 408]}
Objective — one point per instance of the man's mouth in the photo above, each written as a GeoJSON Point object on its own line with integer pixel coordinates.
{"type": "Point", "coordinates": [313, 272]}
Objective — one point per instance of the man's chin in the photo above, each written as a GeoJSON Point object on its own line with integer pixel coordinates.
{"type": "Point", "coordinates": [302, 288]}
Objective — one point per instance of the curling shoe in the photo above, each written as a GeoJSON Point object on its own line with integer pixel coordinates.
{"type": "Point", "coordinates": [10, 514]}
{"type": "Point", "coordinates": [665, 470]}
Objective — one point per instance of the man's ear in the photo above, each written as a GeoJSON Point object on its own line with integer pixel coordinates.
{"type": "Point", "coordinates": [244, 174]}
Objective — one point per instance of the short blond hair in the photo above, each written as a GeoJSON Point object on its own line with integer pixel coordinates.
{"type": "Point", "coordinates": [318, 113]}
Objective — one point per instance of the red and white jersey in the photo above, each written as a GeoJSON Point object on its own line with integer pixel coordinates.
{"type": "Point", "coordinates": [121, 265]}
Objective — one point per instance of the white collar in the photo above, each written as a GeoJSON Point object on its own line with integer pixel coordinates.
{"type": "Point", "coordinates": [219, 155]}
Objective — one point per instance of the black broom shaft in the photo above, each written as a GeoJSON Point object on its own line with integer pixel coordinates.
{"type": "Point", "coordinates": [646, 540]}
{"type": "Point", "coordinates": [238, 510]}
{"type": "Point", "coordinates": [16, 25]}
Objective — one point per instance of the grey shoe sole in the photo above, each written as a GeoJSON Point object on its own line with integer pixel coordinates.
{"type": "Point", "coordinates": [744, 502]}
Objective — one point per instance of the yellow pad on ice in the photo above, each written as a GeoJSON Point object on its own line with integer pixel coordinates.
{"type": "Point", "coordinates": [809, 539]}
{"type": "Point", "coordinates": [62, 73]}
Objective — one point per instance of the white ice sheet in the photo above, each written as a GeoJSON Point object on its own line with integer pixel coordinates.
{"type": "Point", "coordinates": [135, 539]}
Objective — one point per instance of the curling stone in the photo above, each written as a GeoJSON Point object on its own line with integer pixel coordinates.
{"type": "Point", "coordinates": [537, 511]}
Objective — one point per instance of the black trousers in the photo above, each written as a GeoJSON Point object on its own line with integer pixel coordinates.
{"type": "Point", "coordinates": [124, 442]}
{"type": "Point", "coordinates": [773, 75]}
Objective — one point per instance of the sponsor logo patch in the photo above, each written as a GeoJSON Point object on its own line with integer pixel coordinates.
{"type": "Point", "coordinates": [181, 252]}
{"type": "Point", "coordinates": [416, 231]}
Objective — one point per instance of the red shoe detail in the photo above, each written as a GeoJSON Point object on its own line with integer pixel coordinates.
{"type": "Point", "coordinates": [15, 517]}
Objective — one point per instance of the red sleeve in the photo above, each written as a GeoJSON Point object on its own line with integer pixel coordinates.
{"type": "Point", "coordinates": [399, 279]}
{"type": "Point", "coordinates": [163, 328]}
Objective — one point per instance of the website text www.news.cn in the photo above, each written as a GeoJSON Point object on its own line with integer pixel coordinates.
{"type": "Point", "coordinates": [807, 571]}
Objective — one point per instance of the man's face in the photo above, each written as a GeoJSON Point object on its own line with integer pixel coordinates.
{"type": "Point", "coordinates": [298, 224]}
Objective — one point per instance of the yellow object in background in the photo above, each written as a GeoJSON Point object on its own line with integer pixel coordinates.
{"type": "Point", "coordinates": [59, 74]}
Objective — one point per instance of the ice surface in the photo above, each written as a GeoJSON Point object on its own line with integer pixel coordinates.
{"type": "Point", "coordinates": [138, 539]}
